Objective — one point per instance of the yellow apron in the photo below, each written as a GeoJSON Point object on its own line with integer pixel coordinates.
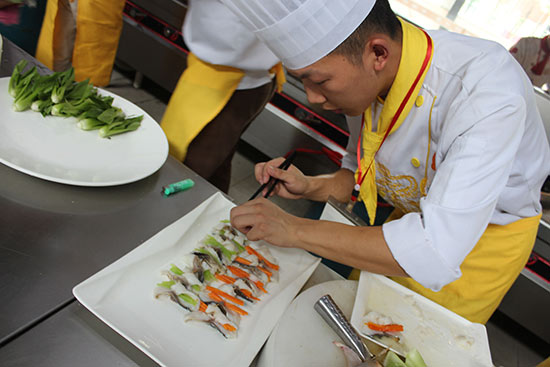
{"type": "Point", "coordinates": [201, 93]}
{"type": "Point", "coordinates": [98, 27]}
{"type": "Point", "coordinates": [488, 271]}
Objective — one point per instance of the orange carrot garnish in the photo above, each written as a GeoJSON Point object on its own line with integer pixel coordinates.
{"type": "Point", "coordinates": [241, 260]}
{"type": "Point", "coordinates": [215, 297]}
{"type": "Point", "coordinates": [229, 327]}
{"type": "Point", "coordinates": [225, 278]}
{"type": "Point", "coordinates": [266, 272]}
{"type": "Point", "coordinates": [384, 328]}
{"type": "Point", "coordinates": [247, 293]}
{"type": "Point", "coordinates": [238, 310]}
{"type": "Point", "coordinates": [238, 272]}
{"type": "Point", "coordinates": [251, 251]}
{"type": "Point", "coordinates": [225, 295]}
{"type": "Point", "coordinates": [260, 285]}
{"type": "Point", "coordinates": [202, 306]}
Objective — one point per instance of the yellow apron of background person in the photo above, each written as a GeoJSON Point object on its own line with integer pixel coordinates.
{"type": "Point", "coordinates": [98, 27]}
{"type": "Point", "coordinates": [201, 93]}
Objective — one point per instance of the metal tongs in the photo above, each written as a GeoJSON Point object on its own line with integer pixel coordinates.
{"type": "Point", "coordinates": [331, 313]}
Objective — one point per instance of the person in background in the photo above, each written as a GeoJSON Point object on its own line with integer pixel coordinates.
{"type": "Point", "coordinates": [20, 22]}
{"type": "Point", "coordinates": [230, 77]}
{"type": "Point", "coordinates": [443, 126]}
{"type": "Point", "coordinates": [533, 54]}
{"type": "Point", "coordinates": [83, 34]}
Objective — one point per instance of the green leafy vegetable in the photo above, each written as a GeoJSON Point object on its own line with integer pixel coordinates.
{"type": "Point", "coordinates": [58, 94]}
{"type": "Point", "coordinates": [120, 127]}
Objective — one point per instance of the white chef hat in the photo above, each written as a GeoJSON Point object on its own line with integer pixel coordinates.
{"type": "Point", "coordinates": [300, 32]}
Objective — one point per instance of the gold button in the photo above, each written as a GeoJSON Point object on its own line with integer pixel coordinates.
{"type": "Point", "coordinates": [415, 162]}
{"type": "Point", "coordinates": [419, 101]}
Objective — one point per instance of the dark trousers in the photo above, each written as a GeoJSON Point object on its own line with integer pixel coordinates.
{"type": "Point", "coordinates": [211, 152]}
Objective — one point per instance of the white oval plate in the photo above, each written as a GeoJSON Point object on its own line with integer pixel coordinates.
{"type": "Point", "coordinates": [55, 149]}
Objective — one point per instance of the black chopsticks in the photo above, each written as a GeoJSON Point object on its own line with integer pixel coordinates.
{"type": "Point", "coordinates": [273, 182]}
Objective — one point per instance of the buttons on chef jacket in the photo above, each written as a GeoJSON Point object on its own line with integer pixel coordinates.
{"type": "Point", "coordinates": [419, 101]}
{"type": "Point", "coordinates": [415, 162]}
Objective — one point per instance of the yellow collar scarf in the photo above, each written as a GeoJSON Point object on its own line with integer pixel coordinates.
{"type": "Point", "coordinates": [416, 57]}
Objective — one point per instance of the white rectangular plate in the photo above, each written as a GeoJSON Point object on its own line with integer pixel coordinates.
{"type": "Point", "coordinates": [121, 295]}
{"type": "Point", "coordinates": [442, 337]}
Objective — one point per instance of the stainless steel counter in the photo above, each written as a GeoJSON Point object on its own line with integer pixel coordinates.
{"type": "Point", "coordinates": [53, 236]}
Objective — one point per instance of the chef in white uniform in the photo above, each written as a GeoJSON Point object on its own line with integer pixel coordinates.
{"type": "Point", "coordinates": [227, 82]}
{"type": "Point", "coordinates": [447, 131]}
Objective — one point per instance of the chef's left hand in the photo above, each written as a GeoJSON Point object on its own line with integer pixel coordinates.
{"type": "Point", "coordinates": [260, 219]}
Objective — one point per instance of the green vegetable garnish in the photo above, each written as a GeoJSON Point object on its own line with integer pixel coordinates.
{"type": "Point", "coordinates": [213, 242]}
{"type": "Point", "coordinates": [167, 284]}
{"type": "Point", "coordinates": [239, 246]}
{"type": "Point", "coordinates": [196, 287]}
{"type": "Point", "coordinates": [174, 269]}
{"type": "Point", "coordinates": [187, 298]}
{"type": "Point", "coordinates": [202, 250]}
{"type": "Point", "coordinates": [208, 277]}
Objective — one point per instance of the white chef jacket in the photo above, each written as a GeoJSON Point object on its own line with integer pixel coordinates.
{"type": "Point", "coordinates": [489, 149]}
{"type": "Point", "coordinates": [216, 35]}
{"type": "Point", "coordinates": [528, 52]}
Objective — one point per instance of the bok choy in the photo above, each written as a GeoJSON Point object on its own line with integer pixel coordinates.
{"type": "Point", "coordinates": [58, 94]}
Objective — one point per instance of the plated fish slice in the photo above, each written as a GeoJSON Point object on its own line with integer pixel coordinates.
{"type": "Point", "coordinates": [220, 280]}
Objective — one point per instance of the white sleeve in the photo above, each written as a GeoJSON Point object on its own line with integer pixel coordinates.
{"type": "Point", "coordinates": [478, 145]}
{"type": "Point", "coordinates": [216, 35]}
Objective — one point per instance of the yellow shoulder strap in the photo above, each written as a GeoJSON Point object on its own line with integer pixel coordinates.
{"type": "Point", "coordinates": [201, 93]}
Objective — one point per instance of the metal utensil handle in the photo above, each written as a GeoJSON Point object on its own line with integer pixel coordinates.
{"type": "Point", "coordinates": [331, 313]}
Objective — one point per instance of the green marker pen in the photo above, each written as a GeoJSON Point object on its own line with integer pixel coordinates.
{"type": "Point", "coordinates": [177, 187]}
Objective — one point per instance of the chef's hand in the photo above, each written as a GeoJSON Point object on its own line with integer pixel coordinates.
{"type": "Point", "coordinates": [293, 183]}
{"type": "Point", "coordinates": [260, 219]}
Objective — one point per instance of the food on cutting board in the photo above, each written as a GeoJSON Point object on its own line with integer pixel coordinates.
{"type": "Point", "coordinates": [58, 94]}
{"type": "Point", "coordinates": [375, 323]}
{"type": "Point", "coordinates": [221, 280]}
{"type": "Point", "coordinates": [412, 358]}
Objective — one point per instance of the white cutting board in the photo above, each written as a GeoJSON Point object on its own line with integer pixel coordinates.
{"type": "Point", "coordinates": [302, 338]}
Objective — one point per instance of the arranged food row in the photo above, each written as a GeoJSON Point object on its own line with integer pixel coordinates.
{"type": "Point", "coordinates": [220, 280]}
{"type": "Point", "coordinates": [58, 94]}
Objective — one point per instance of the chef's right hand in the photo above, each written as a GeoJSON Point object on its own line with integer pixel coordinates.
{"type": "Point", "coordinates": [293, 184]}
